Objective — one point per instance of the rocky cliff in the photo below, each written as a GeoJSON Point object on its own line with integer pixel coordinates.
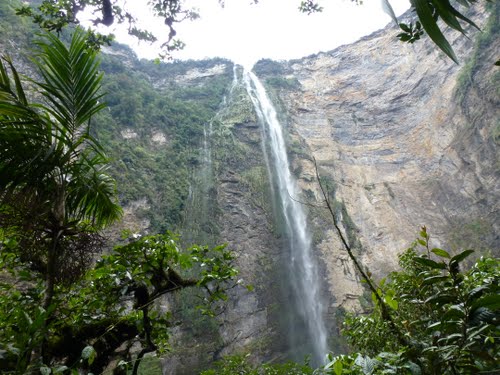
{"type": "Point", "coordinates": [402, 136]}
{"type": "Point", "coordinates": [407, 137]}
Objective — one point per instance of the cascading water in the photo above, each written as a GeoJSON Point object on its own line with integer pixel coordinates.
{"type": "Point", "coordinates": [200, 202]}
{"type": "Point", "coordinates": [307, 310]}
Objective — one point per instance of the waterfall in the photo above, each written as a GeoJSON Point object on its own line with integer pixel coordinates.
{"type": "Point", "coordinates": [307, 331]}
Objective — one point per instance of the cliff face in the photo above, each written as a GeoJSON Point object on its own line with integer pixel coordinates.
{"type": "Point", "coordinates": [408, 139]}
{"type": "Point", "coordinates": [402, 135]}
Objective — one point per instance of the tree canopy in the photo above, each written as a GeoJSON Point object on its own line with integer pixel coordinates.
{"type": "Point", "coordinates": [54, 15]}
{"type": "Point", "coordinates": [447, 316]}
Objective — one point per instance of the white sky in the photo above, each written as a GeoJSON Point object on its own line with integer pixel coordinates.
{"type": "Point", "coordinates": [245, 32]}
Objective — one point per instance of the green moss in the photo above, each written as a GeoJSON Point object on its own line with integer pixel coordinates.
{"type": "Point", "coordinates": [284, 83]}
{"type": "Point", "coordinates": [266, 67]}
{"type": "Point", "coordinates": [483, 41]}
{"type": "Point", "coordinates": [257, 181]}
{"type": "Point", "coordinates": [495, 133]}
{"type": "Point", "coordinates": [160, 172]}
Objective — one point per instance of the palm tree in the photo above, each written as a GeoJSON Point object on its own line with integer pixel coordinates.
{"type": "Point", "coordinates": [53, 181]}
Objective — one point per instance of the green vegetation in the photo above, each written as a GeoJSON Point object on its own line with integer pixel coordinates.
{"type": "Point", "coordinates": [239, 365]}
{"type": "Point", "coordinates": [482, 43]}
{"type": "Point", "coordinates": [60, 312]}
{"type": "Point", "coordinates": [256, 179]}
{"type": "Point", "coordinates": [283, 83]}
{"type": "Point", "coordinates": [56, 193]}
{"type": "Point", "coordinates": [154, 137]}
{"type": "Point", "coordinates": [64, 309]}
{"type": "Point", "coordinates": [444, 320]}
{"type": "Point", "coordinates": [90, 318]}
{"type": "Point", "coordinates": [13, 28]}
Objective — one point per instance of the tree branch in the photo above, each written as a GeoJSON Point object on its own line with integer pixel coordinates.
{"type": "Point", "coordinates": [385, 312]}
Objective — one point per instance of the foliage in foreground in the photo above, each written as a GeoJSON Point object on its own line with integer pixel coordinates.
{"type": "Point", "coordinates": [57, 312]}
{"type": "Point", "coordinates": [114, 304]}
{"type": "Point", "coordinates": [446, 321]}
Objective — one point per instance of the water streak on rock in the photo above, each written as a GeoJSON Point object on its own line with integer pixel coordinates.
{"type": "Point", "coordinates": [307, 330]}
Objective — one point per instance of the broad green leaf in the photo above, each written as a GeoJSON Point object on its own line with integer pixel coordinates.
{"type": "Point", "coordinates": [430, 25]}
{"type": "Point", "coordinates": [477, 292]}
{"type": "Point", "coordinates": [404, 37]}
{"type": "Point", "coordinates": [454, 311]}
{"type": "Point", "coordinates": [44, 370]}
{"type": "Point", "coordinates": [450, 338]}
{"type": "Point", "coordinates": [434, 326]}
{"type": "Point", "coordinates": [60, 369]}
{"type": "Point", "coordinates": [440, 299]}
{"type": "Point", "coordinates": [393, 304]}
{"type": "Point", "coordinates": [477, 331]}
{"type": "Point", "coordinates": [481, 315]}
{"type": "Point", "coordinates": [442, 253]}
{"type": "Point", "coordinates": [444, 10]}
{"type": "Point", "coordinates": [463, 18]}
{"type": "Point", "coordinates": [435, 279]}
{"type": "Point", "coordinates": [338, 367]}
{"type": "Point", "coordinates": [422, 242]}
{"type": "Point", "coordinates": [405, 27]}
{"type": "Point", "coordinates": [491, 302]}
{"type": "Point", "coordinates": [459, 257]}
{"type": "Point", "coordinates": [89, 354]}
{"type": "Point", "coordinates": [430, 263]}
{"type": "Point", "coordinates": [367, 364]}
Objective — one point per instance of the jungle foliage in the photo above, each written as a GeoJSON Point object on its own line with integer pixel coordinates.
{"type": "Point", "coordinates": [444, 317]}
{"type": "Point", "coordinates": [96, 318]}
{"type": "Point", "coordinates": [60, 311]}
{"type": "Point", "coordinates": [143, 100]}
{"type": "Point", "coordinates": [160, 169]}
{"type": "Point", "coordinates": [446, 321]}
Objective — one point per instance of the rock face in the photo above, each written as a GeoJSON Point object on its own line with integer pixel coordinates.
{"type": "Point", "coordinates": [403, 136]}
{"type": "Point", "coordinates": [408, 138]}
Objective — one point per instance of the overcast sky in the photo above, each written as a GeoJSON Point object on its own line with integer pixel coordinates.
{"type": "Point", "coordinates": [275, 29]}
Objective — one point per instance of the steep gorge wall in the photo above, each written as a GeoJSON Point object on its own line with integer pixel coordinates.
{"type": "Point", "coordinates": [404, 136]}
{"type": "Point", "coordinates": [408, 138]}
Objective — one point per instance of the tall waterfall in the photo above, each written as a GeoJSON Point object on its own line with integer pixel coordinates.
{"type": "Point", "coordinates": [307, 331]}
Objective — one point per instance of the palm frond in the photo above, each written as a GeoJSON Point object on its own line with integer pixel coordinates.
{"type": "Point", "coordinates": [71, 80]}
{"type": "Point", "coordinates": [45, 148]}
{"type": "Point", "coordinates": [92, 194]}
